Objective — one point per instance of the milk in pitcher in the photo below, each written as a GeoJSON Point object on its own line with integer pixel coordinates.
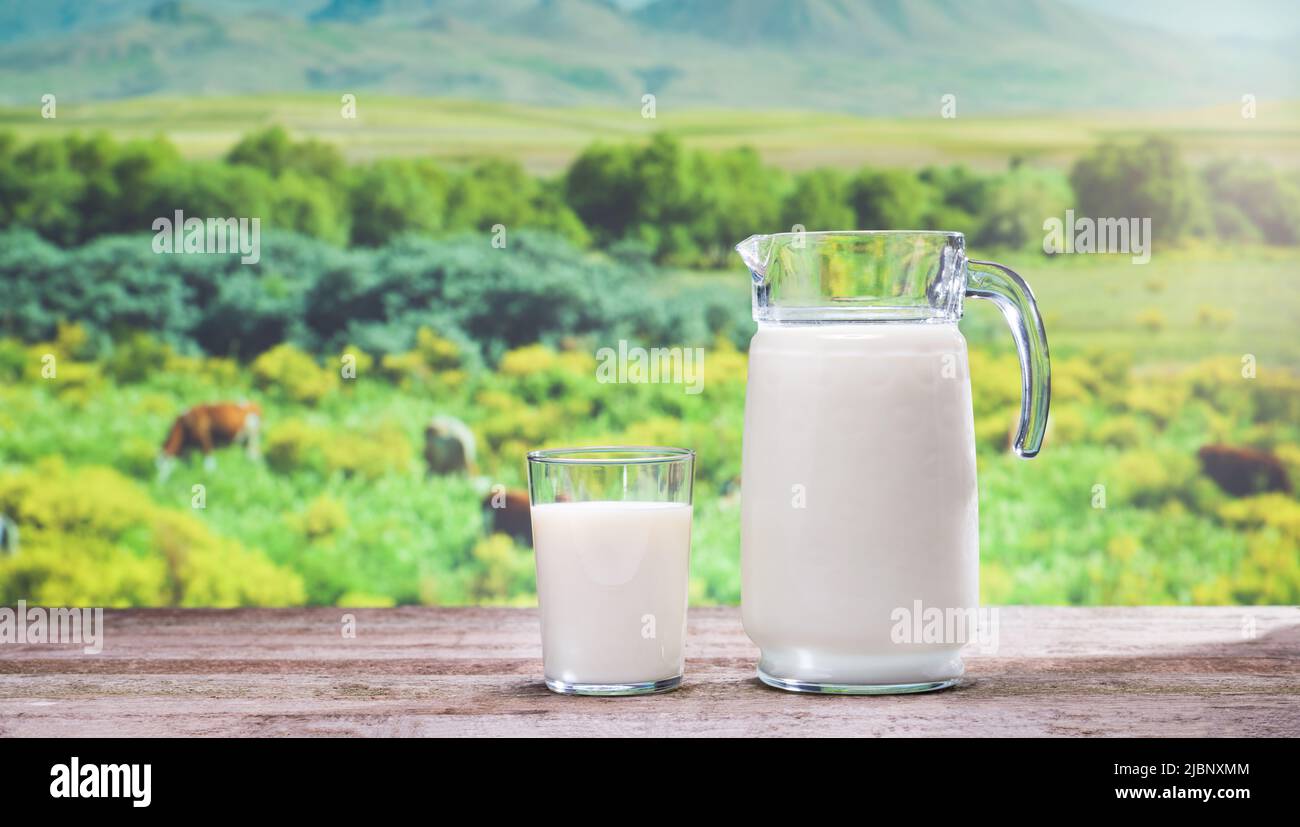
{"type": "Point", "coordinates": [854, 436]}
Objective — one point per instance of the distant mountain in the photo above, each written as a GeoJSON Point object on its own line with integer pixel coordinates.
{"type": "Point", "coordinates": [24, 19]}
{"type": "Point", "coordinates": [887, 25]}
{"type": "Point", "coordinates": [883, 57]}
{"type": "Point", "coordinates": [569, 21]}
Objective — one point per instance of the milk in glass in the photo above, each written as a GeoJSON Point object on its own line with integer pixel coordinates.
{"type": "Point", "coordinates": [612, 584]}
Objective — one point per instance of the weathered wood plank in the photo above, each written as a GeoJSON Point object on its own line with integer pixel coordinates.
{"type": "Point", "coordinates": [473, 671]}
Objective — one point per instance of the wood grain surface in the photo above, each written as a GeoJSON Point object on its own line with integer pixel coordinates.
{"type": "Point", "coordinates": [477, 671]}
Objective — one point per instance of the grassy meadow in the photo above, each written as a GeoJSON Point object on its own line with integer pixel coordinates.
{"type": "Point", "coordinates": [341, 512]}
{"type": "Point", "coordinates": [1181, 306]}
{"type": "Point", "coordinates": [545, 139]}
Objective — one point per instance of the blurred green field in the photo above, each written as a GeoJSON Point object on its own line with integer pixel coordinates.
{"type": "Point", "coordinates": [1187, 304]}
{"type": "Point", "coordinates": [1116, 510]}
{"type": "Point", "coordinates": [546, 139]}
{"type": "Point", "coordinates": [1196, 301]}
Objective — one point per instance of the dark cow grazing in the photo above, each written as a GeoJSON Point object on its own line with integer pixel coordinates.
{"type": "Point", "coordinates": [506, 511]}
{"type": "Point", "coordinates": [1244, 471]}
{"type": "Point", "coordinates": [207, 427]}
{"type": "Point", "coordinates": [448, 447]}
{"type": "Point", "coordinates": [8, 536]}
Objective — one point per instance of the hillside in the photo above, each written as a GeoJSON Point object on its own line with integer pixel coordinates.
{"type": "Point", "coordinates": [871, 57]}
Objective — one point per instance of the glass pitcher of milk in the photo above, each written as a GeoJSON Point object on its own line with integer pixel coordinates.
{"type": "Point", "coordinates": [859, 515]}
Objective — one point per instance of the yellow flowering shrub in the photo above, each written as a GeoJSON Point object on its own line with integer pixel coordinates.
{"type": "Point", "coordinates": [1064, 425]}
{"type": "Point", "coordinates": [92, 537]}
{"type": "Point", "coordinates": [503, 569]}
{"type": "Point", "coordinates": [1152, 319]}
{"type": "Point", "coordinates": [1161, 401]}
{"type": "Point", "coordinates": [370, 453]}
{"type": "Point", "coordinates": [437, 352]}
{"type": "Point", "coordinates": [360, 361]}
{"type": "Point", "coordinates": [1119, 431]}
{"type": "Point", "coordinates": [433, 361]}
{"type": "Point", "coordinates": [321, 519]}
{"type": "Point", "coordinates": [724, 364]}
{"type": "Point", "coordinates": [289, 372]}
{"type": "Point", "coordinates": [1274, 510]}
{"type": "Point", "coordinates": [295, 444]}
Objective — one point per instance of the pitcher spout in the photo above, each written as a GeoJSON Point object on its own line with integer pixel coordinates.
{"type": "Point", "coordinates": [756, 251]}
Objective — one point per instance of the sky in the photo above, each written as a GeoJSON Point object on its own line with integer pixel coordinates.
{"type": "Point", "coordinates": [1268, 19]}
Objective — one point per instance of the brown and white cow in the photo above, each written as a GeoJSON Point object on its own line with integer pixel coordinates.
{"type": "Point", "coordinates": [207, 427]}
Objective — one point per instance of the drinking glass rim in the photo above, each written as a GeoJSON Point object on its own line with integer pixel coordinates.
{"type": "Point", "coordinates": [651, 454]}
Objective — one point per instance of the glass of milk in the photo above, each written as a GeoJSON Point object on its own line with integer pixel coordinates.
{"type": "Point", "coordinates": [612, 538]}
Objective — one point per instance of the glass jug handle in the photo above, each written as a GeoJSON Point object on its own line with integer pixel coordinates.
{"type": "Point", "coordinates": [987, 280]}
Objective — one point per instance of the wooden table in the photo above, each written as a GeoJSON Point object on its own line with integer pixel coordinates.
{"type": "Point", "coordinates": [477, 671]}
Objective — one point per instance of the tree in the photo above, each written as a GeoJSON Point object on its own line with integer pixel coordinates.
{"type": "Point", "coordinates": [890, 199]}
{"type": "Point", "coordinates": [655, 195]}
{"type": "Point", "coordinates": [394, 196]}
{"type": "Point", "coordinates": [46, 189]}
{"type": "Point", "coordinates": [1146, 180]}
{"type": "Point", "coordinates": [600, 186]}
{"type": "Point", "coordinates": [737, 196]}
{"type": "Point", "coordinates": [137, 169]}
{"type": "Point", "coordinates": [10, 178]}
{"type": "Point", "coordinates": [957, 187]}
{"type": "Point", "coordinates": [1249, 201]}
{"type": "Point", "coordinates": [1017, 204]}
{"type": "Point", "coordinates": [501, 192]}
{"type": "Point", "coordinates": [208, 189]}
{"type": "Point", "coordinates": [309, 206]}
{"type": "Point", "coordinates": [819, 201]}
{"type": "Point", "coordinates": [273, 151]}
